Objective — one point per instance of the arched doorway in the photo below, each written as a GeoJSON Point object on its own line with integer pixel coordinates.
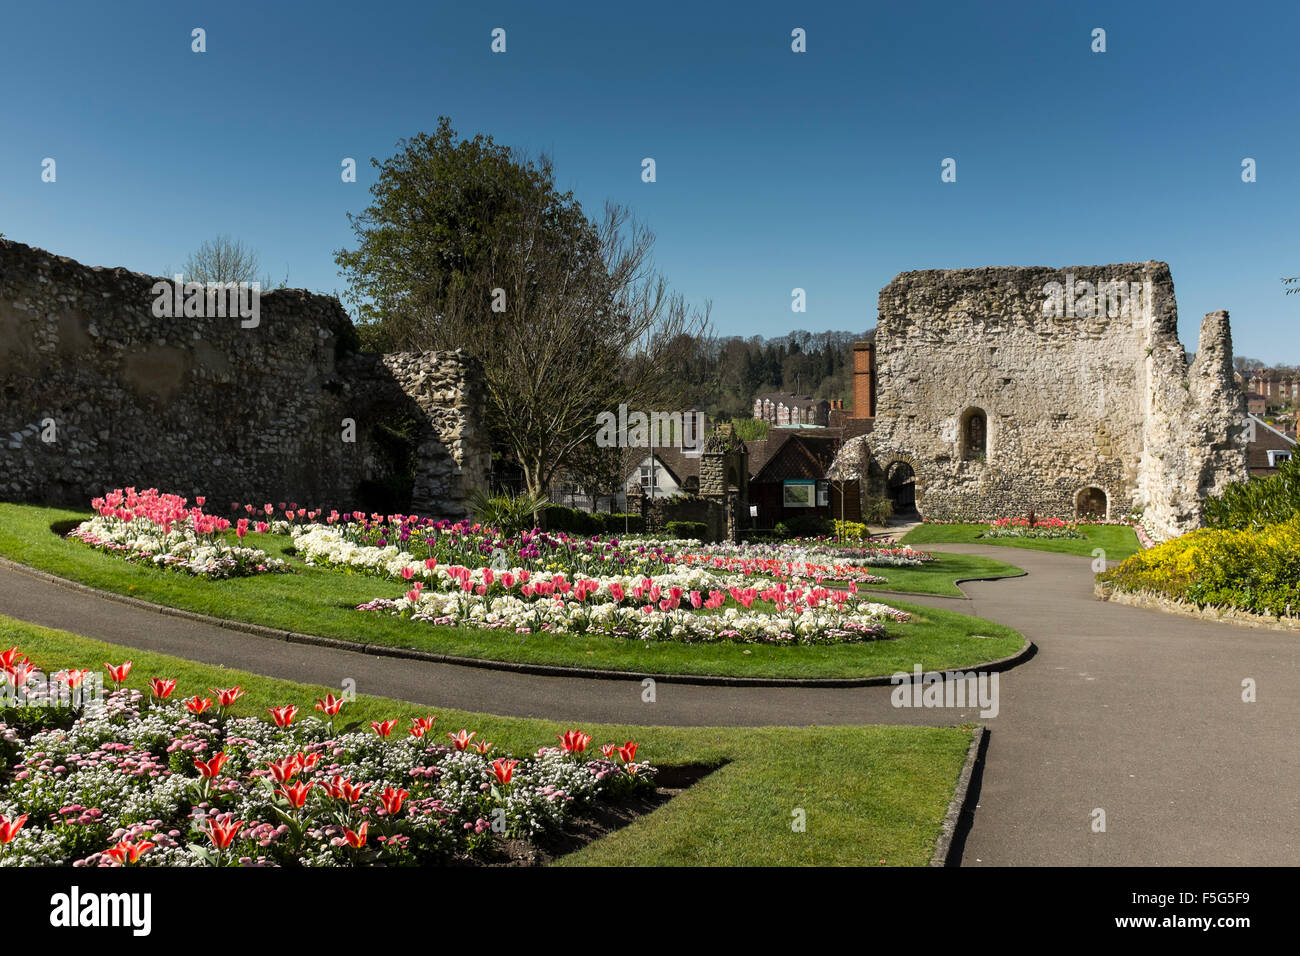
{"type": "Point", "coordinates": [1090, 502]}
{"type": "Point", "coordinates": [900, 486]}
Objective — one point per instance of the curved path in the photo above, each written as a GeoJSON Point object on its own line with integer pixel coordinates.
{"type": "Point", "coordinates": [1130, 711]}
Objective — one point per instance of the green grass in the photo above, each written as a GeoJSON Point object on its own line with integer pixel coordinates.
{"type": "Point", "coordinates": [871, 795]}
{"type": "Point", "coordinates": [940, 577]}
{"type": "Point", "coordinates": [322, 602]}
{"type": "Point", "coordinates": [1118, 541]}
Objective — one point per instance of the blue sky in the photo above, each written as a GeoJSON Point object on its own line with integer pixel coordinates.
{"type": "Point", "coordinates": [775, 170]}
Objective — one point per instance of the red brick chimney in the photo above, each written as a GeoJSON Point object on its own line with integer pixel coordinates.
{"type": "Point", "coordinates": [864, 380]}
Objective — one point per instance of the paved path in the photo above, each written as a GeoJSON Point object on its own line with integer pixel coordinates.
{"type": "Point", "coordinates": [1130, 711]}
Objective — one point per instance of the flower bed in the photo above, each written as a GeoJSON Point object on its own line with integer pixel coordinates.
{"type": "Point", "coordinates": [797, 616]}
{"type": "Point", "coordinates": [538, 583]}
{"type": "Point", "coordinates": [1254, 570]}
{"type": "Point", "coordinates": [819, 552]}
{"type": "Point", "coordinates": [1032, 528]}
{"type": "Point", "coordinates": [165, 531]}
{"type": "Point", "coordinates": [468, 543]}
{"type": "Point", "coordinates": [164, 782]}
{"type": "Point", "coordinates": [698, 598]}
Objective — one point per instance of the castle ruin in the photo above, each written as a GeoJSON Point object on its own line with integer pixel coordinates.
{"type": "Point", "coordinates": [1062, 392]}
{"type": "Point", "coordinates": [98, 392]}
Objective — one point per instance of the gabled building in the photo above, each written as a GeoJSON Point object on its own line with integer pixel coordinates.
{"type": "Point", "coordinates": [788, 409]}
{"type": "Point", "coordinates": [661, 472]}
{"type": "Point", "coordinates": [788, 478]}
{"type": "Point", "coordinates": [1268, 447]}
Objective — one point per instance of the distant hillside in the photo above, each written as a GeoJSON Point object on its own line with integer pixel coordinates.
{"type": "Point", "coordinates": [725, 373]}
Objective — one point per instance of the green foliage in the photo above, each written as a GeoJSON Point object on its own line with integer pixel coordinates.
{"type": "Point", "coordinates": [440, 209]}
{"type": "Point", "coordinates": [876, 509]}
{"type": "Point", "coordinates": [804, 526]}
{"type": "Point", "coordinates": [1258, 502]}
{"type": "Point", "coordinates": [321, 601]}
{"type": "Point", "coordinates": [688, 529]}
{"type": "Point", "coordinates": [510, 514]}
{"type": "Point", "coordinates": [851, 530]}
{"type": "Point", "coordinates": [750, 429]}
{"type": "Point", "coordinates": [765, 774]}
{"type": "Point", "coordinates": [576, 521]}
{"type": "Point", "coordinates": [1253, 569]}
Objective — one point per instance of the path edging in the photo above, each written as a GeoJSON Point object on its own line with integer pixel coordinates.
{"type": "Point", "coordinates": [541, 670]}
{"type": "Point", "coordinates": [960, 797]}
{"type": "Point", "coordinates": [1217, 615]}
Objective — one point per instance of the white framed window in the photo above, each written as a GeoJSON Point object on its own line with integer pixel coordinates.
{"type": "Point", "coordinates": [1277, 456]}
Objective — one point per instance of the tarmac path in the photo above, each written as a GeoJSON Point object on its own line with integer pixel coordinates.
{"type": "Point", "coordinates": [1129, 711]}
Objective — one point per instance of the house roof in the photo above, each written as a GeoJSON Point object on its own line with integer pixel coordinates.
{"type": "Point", "coordinates": [680, 465]}
{"type": "Point", "coordinates": [791, 454]}
{"type": "Point", "coordinates": [1267, 438]}
{"type": "Point", "coordinates": [787, 453]}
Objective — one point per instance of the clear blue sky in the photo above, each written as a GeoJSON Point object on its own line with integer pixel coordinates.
{"type": "Point", "coordinates": [775, 170]}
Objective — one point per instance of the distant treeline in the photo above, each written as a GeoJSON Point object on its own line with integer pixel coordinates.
{"type": "Point", "coordinates": [723, 374]}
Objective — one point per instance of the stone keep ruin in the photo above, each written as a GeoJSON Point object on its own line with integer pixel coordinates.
{"type": "Point", "coordinates": [1066, 392]}
{"type": "Point", "coordinates": [98, 393]}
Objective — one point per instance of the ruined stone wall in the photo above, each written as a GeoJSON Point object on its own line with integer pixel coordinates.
{"type": "Point", "coordinates": [205, 406]}
{"type": "Point", "coordinates": [1071, 401]}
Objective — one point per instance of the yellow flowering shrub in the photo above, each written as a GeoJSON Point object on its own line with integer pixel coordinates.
{"type": "Point", "coordinates": [1255, 570]}
{"type": "Point", "coordinates": [853, 530]}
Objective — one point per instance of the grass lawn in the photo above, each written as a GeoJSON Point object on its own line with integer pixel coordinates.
{"type": "Point", "coordinates": [871, 795]}
{"type": "Point", "coordinates": [322, 602]}
{"type": "Point", "coordinates": [940, 577]}
{"type": "Point", "coordinates": [1118, 541]}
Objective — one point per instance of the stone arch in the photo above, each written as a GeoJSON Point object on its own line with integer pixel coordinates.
{"type": "Point", "coordinates": [393, 438]}
{"type": "Point", "coordinates": [1091, 501]}
{"type": "Point", "coordinates": [973, 434]}
{"type": "Point", "coordinates": [901, 486]}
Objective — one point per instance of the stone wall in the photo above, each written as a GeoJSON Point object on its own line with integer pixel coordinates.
{"type": "Point", "coordinates": [96, 392]}
{"type": "Point", "coordinates": [1071, 402]}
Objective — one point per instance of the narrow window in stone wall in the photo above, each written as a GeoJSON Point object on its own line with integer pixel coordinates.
{"type": "Point", "coordinates": [974, 437]}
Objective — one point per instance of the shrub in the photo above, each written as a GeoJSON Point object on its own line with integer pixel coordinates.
{"type": "Point", "coordinates": [877, 509]}
{"type": "Point", "coordinates": [562, 518]}
{"type": "Point", "coordinates": [1250, 569]}
{"type": "Point", "coordinates": [688, 529]}
{"type": "Point", "coordinates": [623, 523]}
{"type": "Point", "coordinates": [509, 514]}
{"type": "Point", "coordinates": [577, 522]}
{"type": "Point", "coordinates": [803, 526]}
{"type": "Point", "coordinates": [852, 530]}
{"type": "Point", "coordinates": [1258, 502]}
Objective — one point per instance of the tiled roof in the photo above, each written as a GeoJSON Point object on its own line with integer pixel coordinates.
{"type": "Point", "coordinates": [678, 463]}
{"type": "Point", "coordinates": [1267, 438]}
{"type": "Point", "coordinates": [797, 455]}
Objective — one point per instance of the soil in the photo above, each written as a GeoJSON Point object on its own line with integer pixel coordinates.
{"type": "Point", "coordinates": [597, 822]}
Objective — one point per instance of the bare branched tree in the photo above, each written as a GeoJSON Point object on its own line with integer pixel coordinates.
{"type": "Point", "coordinates": [583, 326]}
{"type": "Point", "coordinates": [223, 260]}
{"type": "Point", "coordinates": [228, 260]}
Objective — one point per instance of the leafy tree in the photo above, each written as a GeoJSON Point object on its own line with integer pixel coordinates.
{"type": "Point", "coordinates": [467, 244]}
